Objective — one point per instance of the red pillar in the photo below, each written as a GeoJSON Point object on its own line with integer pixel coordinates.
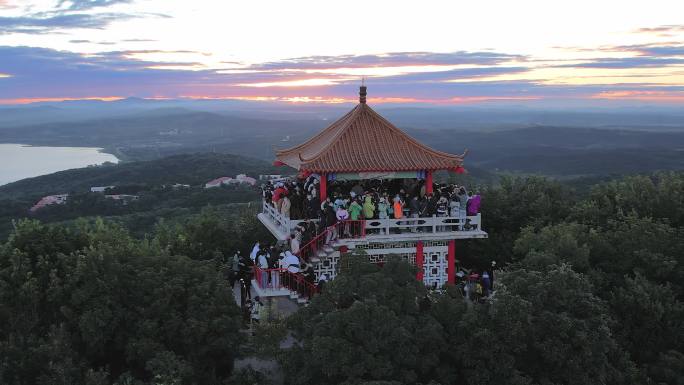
{"type": "Point", "coordinates": [451, 263]}
{"type": "Point", "coordinates": [324, 187]}
{"type": "Point", "coordinates": [428, 182]}
{"type": "Point", "coordinates": [419, 260]}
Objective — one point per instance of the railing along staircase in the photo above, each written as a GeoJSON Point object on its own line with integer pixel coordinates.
{"type": "Point", "coordinates": [281, 282]}
{"type": "Point", "coordinates": [323, 243]}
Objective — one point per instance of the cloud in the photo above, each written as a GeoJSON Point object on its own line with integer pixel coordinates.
{"type": "Point", "coordinates": [658, 49]}
{"type": "Point", "coordinates": [445, 76]}
{"type": "Point", "coordinates": [394, 59]}
{"type": "Point", "coordinates": [138, 40]}
{"type": "Point", "coordinates": [46, 23]}
{"type": "Point", "coordinates": [655, 55]}
{"type": "Point", "coordinates": [84, 41]}
{"type": "Point", "coordinates": [68, 14]}
{"type": "Point", "coordinates": [666, 30]}
{"type": "Point", "coordinates": [671, 95]}
{"type": "Point", "coordinates": [46, 73]}
{"type": "Point", "coordinates": [81, 5]}
{"type": "Point", "coordinates": [5, 4]}
{"type": "Point", "coordinates": [631, 62]}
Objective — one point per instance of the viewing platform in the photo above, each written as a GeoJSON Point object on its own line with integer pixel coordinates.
{"type": "Point", "coordinates": [363, 185]}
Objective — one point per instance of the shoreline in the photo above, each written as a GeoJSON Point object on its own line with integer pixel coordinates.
{"type": "Point", "coordinates": [25, 164]}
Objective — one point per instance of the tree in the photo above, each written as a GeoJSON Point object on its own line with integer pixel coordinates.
{"type": "Point", "coordinates": [629, 245]}
{"type": "Point", "coordinates": [366, 326]}
{"type": "Point", "coordinates": [651, 322]}
{"type": "Point", "coordinates": [660, 196]}
{"type": "Point", "coordinates": [561, 330]}
{"type": "Point", "coordinates": [554, 244]}
{"type": "Point", "coordinates": [93, 304]}
{"type": "Point", "coordinates": [513, 204]}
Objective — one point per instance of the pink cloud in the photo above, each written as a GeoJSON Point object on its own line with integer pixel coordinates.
{"type": "Point", "coordinates": [658, 96]}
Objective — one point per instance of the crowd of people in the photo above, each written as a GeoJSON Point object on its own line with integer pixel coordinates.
{"type": "Point", "coordinates": [268, 257]}
{"type": "Point", "coordinates": [369, 199]}
{"type": "Point", "coordinates": [349, 201]}
{"type": "Point", "coordinates": [474, 285]}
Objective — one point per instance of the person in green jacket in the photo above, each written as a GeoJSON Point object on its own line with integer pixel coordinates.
{"type": "Point", "coordinates": [355, 210]}
{"type": "Point", "coordinates": [368, 208]}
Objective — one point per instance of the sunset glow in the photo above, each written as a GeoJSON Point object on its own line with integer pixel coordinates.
{"type": "Point", "coordinates": [59, 99]}
{"type": "Point", "coordinates": [452, 53]}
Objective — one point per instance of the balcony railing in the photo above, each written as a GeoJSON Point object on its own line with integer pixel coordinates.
{"type": "Point", "coordinates": [284, 224]}
{"type": "Point", "coordinates": [376, 227]}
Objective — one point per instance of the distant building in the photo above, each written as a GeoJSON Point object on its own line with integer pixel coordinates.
{"type": "Point", "coordinates": [218, 182]}
{"type": "Point", "coordinates": [271, 177]}
{"type": "Point", "coordinates": [100, 189]}
{"type": "Point", "coordinates": [176, 186]}
{"type": "Point", "coordinates": [241, 178]}
{"type": "Point", "coordinates": [50, 200]}
{"type": "Point", "coordinates": [125, 198]}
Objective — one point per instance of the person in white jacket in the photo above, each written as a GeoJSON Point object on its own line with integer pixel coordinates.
{"type": "Point", "coordinates": [255, 251]}
{"type": "Point", "coordinates": [285, 206]}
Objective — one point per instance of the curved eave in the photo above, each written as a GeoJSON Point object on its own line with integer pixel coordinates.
{"type": "Point", "coordinates": [337, 148]}
{"type": "Point", "coordinates": [457, 162]}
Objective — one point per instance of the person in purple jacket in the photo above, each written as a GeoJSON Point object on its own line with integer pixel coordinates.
{"type": "Point", "coordinates": [473, 204]}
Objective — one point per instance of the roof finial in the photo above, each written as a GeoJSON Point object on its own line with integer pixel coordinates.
{"type": "Point", "coordinates": [362, 92]}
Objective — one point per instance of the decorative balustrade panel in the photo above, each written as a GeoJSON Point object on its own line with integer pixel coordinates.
{"type": "Point", "coordinates": [422, 225]}
{"type": "Point", "coordinates": [435, 268]}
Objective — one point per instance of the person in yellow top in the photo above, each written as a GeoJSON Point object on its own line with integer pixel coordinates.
{"type": "Point", "coordinates": [368, 208]}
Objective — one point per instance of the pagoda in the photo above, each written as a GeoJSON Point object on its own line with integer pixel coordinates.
{"type": "Point", "coordinates": [362, 146]}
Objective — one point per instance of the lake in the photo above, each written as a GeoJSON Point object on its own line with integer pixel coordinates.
{"type": "Point", "coordinates": [19, 161]}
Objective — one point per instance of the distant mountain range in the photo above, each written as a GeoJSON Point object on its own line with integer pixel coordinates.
{"type": "Point", "coordinates": [562, 143]}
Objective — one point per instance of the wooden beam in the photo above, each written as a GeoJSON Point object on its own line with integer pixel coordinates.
{"type": "Point", "coordinates": [451, 263]}
{"type": "Point", "coordinates": [324, 187]}
{"type": "Point", "coordinates": [419, 260]}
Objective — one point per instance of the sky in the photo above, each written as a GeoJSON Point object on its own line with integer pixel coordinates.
{"type": "Point", "coordinates": [428, 51]}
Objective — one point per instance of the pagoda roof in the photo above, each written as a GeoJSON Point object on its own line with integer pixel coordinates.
{"type": "Point", "coordinates": [364, 141]}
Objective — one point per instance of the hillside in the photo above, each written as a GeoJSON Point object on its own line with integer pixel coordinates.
{"type": "Point", "coordinates": [163, 132]}
{"type": "Point", "coordinates": [192, 169]}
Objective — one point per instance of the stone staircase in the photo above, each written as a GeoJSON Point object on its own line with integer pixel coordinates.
{"type": "Point", "coordinates": [265, 293]}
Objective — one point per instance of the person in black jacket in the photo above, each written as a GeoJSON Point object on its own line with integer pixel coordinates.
{"type": "Point", "coordinates": [246, 272]}
{"type": "Point", "coordinates": [431, 206]}
{"type": "Point", "coordinates": [330, 216]}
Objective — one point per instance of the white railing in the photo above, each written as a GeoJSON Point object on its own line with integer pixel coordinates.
{"type": "Point", "coordinates": [280, 221]}
{"type": "Point", "coordinates": [284, 224]}
{"type": "Point", "coordinates": [424, 225]}
{"type": "Point", "coordinates": [388, 226]}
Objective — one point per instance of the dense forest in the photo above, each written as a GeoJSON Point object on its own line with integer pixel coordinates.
{"type": "Point", "coordinates": [589, 291]}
